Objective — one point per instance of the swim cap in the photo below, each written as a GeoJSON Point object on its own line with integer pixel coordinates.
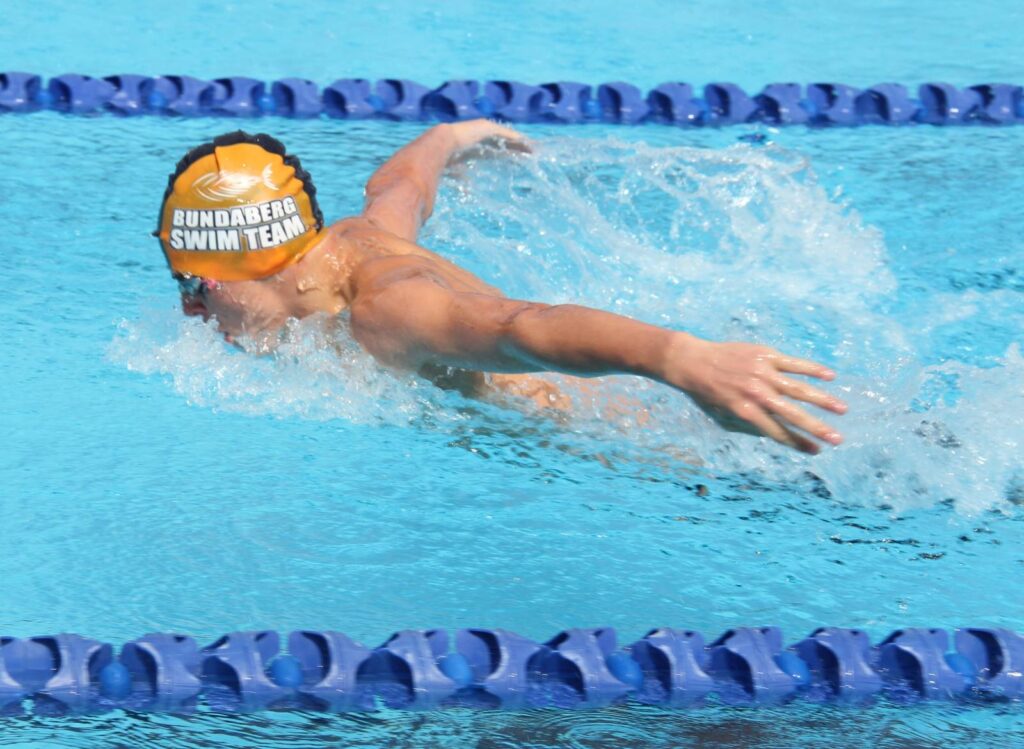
{"type": "Point", "coordinates": [238, 209]}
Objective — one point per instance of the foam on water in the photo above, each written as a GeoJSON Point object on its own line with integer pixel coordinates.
{"type": "Point", "coordinates": [317, 371]}
{"type": "Point", "coordinates": [740, 243]}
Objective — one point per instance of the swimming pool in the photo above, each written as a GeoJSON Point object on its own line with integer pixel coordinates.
{"type": "Point", "coordinates": [155, 480]}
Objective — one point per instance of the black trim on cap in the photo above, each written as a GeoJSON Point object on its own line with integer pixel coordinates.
{"type": "Point", "coordinates": [268, 143]}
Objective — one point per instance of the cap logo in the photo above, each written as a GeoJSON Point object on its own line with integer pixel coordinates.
{"type": "Point", "coordinates": [226, 185]}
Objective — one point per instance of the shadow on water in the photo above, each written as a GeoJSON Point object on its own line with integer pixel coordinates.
{"type": "Point", "coordinates": [616, 727]}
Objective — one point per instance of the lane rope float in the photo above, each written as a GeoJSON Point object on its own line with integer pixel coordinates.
{"type": "Point", "coordinates": [495, 668]}
{"type": "Point", "coordinates": [673, 103]}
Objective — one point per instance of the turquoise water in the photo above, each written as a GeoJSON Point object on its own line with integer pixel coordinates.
{"type": "Point", "coordinates": [155, 480]}
{"type": "Point", "coordinates": [646, 41]}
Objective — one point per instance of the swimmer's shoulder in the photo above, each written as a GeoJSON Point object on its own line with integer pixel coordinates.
{"type": "Point", "coordinates": [372, 254]}
{"type": "Point", "coordinates": [359, 233]}
{"type": "Point", "coordinates": [380, 252]}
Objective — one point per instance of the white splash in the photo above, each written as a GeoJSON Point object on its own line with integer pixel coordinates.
{"type": "Point", "coordinates": [316, 372]}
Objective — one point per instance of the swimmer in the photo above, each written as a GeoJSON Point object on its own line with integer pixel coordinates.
{"type": "Point", "coordinates": [246, 241]}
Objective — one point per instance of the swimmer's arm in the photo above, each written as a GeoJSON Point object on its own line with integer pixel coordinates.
{"type": "Point", "coordinates": [400, 195]}
{"type": "Point", "coordinates": [416, 321]}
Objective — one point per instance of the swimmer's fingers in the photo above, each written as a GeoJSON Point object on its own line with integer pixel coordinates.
{"type": "Point", "coordinates": [764, 423]}
{"type": "Point", "coordinates": [801, 391]}
{"type": "Point", "coordinates": [509, 139]}
{"type": "Point", "coordinates": [520, 145]}
{"type": "Point", "coordinates": [797, 417]}
{"type": "Point", "coordinates": [804, 445]}
{"type": "Point", "coordinates": [487, 132]}
{"type": "Point", "coordinates": [513, 136]}
{"type": "Point", "coordinates": [489, 148]}
{"type": "Point", "coordinates": [803, 366]}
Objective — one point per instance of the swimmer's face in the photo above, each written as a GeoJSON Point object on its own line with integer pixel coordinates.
{"type": "Point", "coordinates": [241, 308]}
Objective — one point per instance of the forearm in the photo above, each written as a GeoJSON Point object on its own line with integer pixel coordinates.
{"type": "Point", "coordinates": [400, 195]}
{"type": "Point", "coordinates": [418, 167]}
{"type": "Point", "coordinates": [742, 386]}
{"type": "Point", "coordinates": [588, 342]}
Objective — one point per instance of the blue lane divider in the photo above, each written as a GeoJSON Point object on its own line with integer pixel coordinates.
{"type": "Point", "coordinates": [672, 103]}
{"type": "Point", "coordinates": [832, 104]}
{"type": "Point", "coordinates": [419, 669]}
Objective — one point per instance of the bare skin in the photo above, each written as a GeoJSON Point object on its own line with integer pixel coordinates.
{"type": "Point", "coordinates": [412, 309]}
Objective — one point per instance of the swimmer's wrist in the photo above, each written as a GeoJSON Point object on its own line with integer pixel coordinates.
{"type": "Point", "coordinates": [468, 133]}
{"type": "Point", "coordinates": [458, 136]}
{"type": "Point", "coordinates": [679, 358]}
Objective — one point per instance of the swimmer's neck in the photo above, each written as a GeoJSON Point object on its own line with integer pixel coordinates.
{"type": "Point", "coordinates": [325, 279]}
{"type": "Point", "coordinates": [322, 281]}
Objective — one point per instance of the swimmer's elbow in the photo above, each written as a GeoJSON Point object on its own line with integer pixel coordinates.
{"type": "Point", "coordinates": [578, 340]}
{"type": "Point", "coordinates": [529, 335]}
{"type": "Point", "coordinates": [400, 193]}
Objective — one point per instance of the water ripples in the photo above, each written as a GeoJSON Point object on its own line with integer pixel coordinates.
{"type": "Point", "coordinates": [634, 726]}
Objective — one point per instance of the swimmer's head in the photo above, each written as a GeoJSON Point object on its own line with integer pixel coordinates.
{"type": "Point", "coordinates": [238, 209]}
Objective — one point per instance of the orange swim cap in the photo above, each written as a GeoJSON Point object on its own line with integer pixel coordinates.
{"type": "Point", "coordinates": [238, 209]}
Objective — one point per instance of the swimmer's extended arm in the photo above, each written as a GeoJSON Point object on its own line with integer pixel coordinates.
{"type": "Point", "coordinates": [400, 195]}
{"type": "Point", "coordinates": [410, 319]}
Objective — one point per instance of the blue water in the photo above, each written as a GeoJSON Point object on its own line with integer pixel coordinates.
{"type": "Point", "coordinates": [153, 479]}
{"type": "Point", "coordinates": [646, 41]}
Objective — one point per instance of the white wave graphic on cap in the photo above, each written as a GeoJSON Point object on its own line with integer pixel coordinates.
{"type": "Point", "coordinates": [227, 185]}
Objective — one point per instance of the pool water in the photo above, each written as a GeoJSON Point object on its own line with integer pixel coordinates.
{"type": "Point", "coordinates": [156, 480]}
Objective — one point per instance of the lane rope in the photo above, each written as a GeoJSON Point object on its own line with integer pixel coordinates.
{"type": "Point", "coordinates": [721, 103]}
{"type": "Point", "coordinates": [491, 668]}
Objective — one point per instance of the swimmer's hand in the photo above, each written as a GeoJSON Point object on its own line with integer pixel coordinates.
{"type": "Point", "coordinates": [474, 133]}
{"type": "Point", "coordinates": [746, 388]}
